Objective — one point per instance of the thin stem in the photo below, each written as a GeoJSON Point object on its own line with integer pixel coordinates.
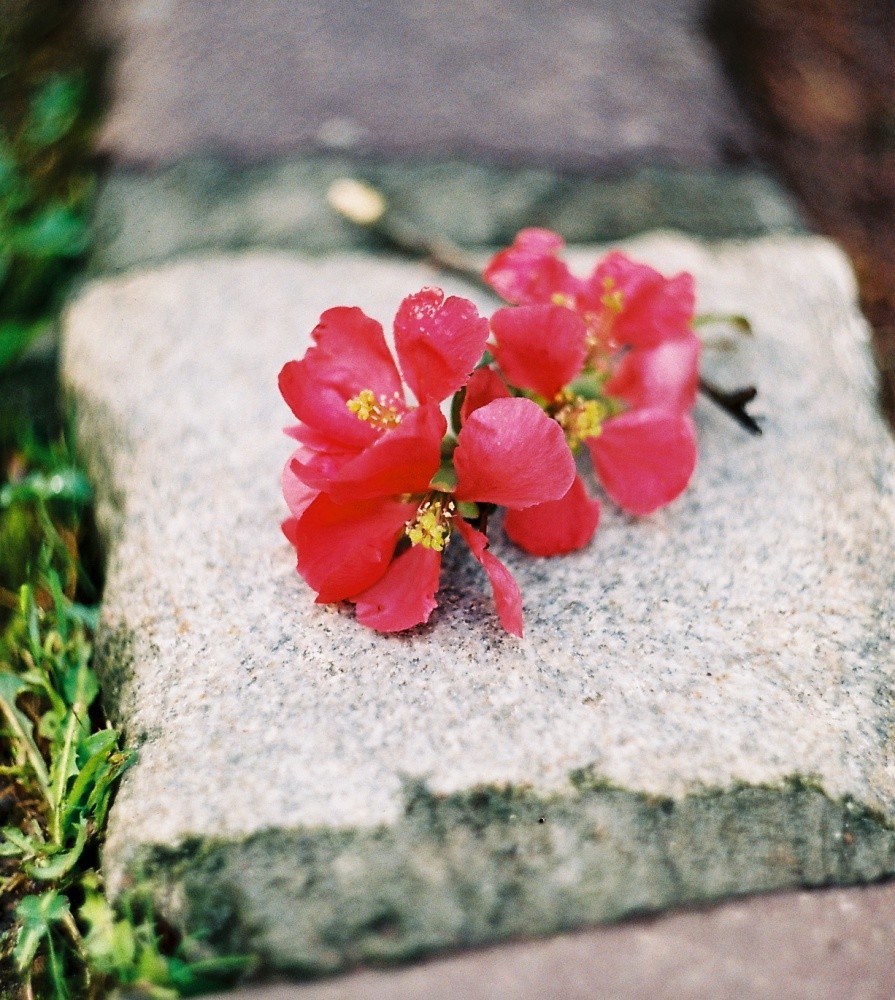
{"type": "Point", "coordinates": [739, 322]}
{"type": "Point", "coordinates": [733, 403]}
{"type": "Point", "coordinates": [35, 758]}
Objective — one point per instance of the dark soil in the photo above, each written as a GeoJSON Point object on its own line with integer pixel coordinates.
{"type": "Point", "coordinates": [818, 77]}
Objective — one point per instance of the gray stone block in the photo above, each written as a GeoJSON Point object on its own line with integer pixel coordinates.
{"type": "Point", "coordinates": [576, 83]}
{"type": "Point", "coordinates": [701, 706]}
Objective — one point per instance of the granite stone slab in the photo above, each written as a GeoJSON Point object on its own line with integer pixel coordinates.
{"type": "Point", "coordinates": [564, 82]}
{"type": "Point", "coordinates": [702, 705]}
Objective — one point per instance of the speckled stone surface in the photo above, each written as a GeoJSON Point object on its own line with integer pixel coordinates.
{"type": "Point", "coordinates": [702, 704]}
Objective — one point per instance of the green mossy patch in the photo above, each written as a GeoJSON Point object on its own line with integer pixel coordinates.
{"type": "Point", "coordinates": [205, 206]}
{"type": "Point", "coordinates": [497, 862]}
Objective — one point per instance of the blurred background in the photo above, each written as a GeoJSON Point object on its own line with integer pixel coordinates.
{"type": "Point", "coordinates": [180, 125]}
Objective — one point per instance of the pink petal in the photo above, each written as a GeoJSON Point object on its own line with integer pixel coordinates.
{"type": "Point", "coordinates": [507, 597]}
{"type": "Point", "coordinates": [645, 458]}
{"type": "Point", "coordinates": [484, 385]}
{"type": "Point", "coordinates": [345, 548]}
{"type": "Point", "coordinates": [317, 469]}
{"type": "Point", "coordinates": [551, 529]}
{"type": "Point", "coordinates": [298, 495]}
{"type": "Point", "coordinates": [512, 454]}
{"type": "Point", "coordinates": [402, 461]}
{"type": "Point", "coordinates": [665, 377]}
{"type": "Point", "coordinates": [439, 341]}
{"type": "Point", "coordinates": [539, 347]}
{"type": "Point", "coordinates": [350, 355]}
{"type": "Point", "coordinates": [405, 596]}
{"type": "Point", "coordinates": [654, 308]}
{"type": "Point", "coordinates": [290, 530]}
{"type": "Point", "coordinates": [529, 271]}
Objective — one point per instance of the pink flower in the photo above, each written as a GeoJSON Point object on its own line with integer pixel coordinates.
{"type": "Point", "coordinates": [376, 489]}
{"type": "Point", "coordinates": [623, 303]}
{"type": "Point", "coordinates": [613, 359]}
{"type": "Point", "coordinates": [383, 551]}
{"type": "Point", "coordinates": [356, 427]}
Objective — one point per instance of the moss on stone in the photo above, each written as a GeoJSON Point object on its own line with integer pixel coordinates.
{"type": "Point", "coordinates": [495, 862]}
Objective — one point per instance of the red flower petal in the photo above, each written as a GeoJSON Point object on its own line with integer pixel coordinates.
{"type": "Point", "coordinates": [484, 385]}
{"type": "Point", "coordinates": [298, 495]}
{"type": "Point", "coordinates": [645, 458]}
{"type": "Point", "coordinates": [345, 548]}
{"type": "Point", "coordinates": [403, 460]}
{"type": "Point", "coordinates": [439, 341]}
{"type": "Point", "coordinates": [550, 529]}
{"type": "Point", "coordinates": [351, 355]}
{"type": "Point", "coordinates": [318, 469]}
{"type": "Point", "coordinates": [512, 454]}
{"type": "Point", "coordinates": [290, 529]}
{"type": "Point", "coordinates": [665, 377]}
{"type": "Point", "coordinates": [654, 307]}
{"type": "Point", "coordinates": [539, 347]}
{"type": "Point", "coordinates": [507, 597]}
{"type": "Point", "coordinates": [529, 271]}
{"type": "Point", "coordinates": [405, 596]}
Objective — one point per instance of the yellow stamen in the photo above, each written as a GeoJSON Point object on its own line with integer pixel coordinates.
{"type": "Point", "coordinates": [579, 418]}
{"type": "Point", "coordinates": [561, 299]}
{"type": "Point", "coordinates": [612, 297]}
{"type": "Point", "coordinates": [431, 527]}
{"type": "Point", "coordinates": [378, 412]}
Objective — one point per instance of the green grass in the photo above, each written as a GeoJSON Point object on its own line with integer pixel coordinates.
{"type": "Point", "coordinates": [59, 765]}
{"type": "Point", "coordinates": [60, 761]}
{"type": "Point", "coordinates": [49, 83]}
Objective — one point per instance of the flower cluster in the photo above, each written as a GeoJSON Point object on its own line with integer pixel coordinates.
{"type": "Point", "coordinates": [378, 485]}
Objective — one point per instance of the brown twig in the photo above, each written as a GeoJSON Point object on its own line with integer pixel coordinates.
{"type": "Point", "coordinates": [733, 403]}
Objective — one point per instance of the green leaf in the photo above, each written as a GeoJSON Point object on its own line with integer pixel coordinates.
{"type": "Point", "coordinates": [100, 797]}
{"type": "Point", "coordinates": [96, 768]}
{"type": "Point", "coordinates": [111, 943]}
{"type": "Point", "coordinates": [196, 977]}
{"type": "Point", "coordinates": [62, 863]}
{"type": "Point", "coordinates": [95, 747]}
{"type": "Point", "coordinates": [36, 914]}
{"type": "Point", "coordinates": [16, 841]}
{"type": "Point", "coordinates": [64, 483]}
{"type": "Point", "coordinates": [54, 110]}
{"type": "Point", "coordinates": [80, 687]}
{"type": "Point", "coordinates": [15, 336]}
{"type": "Point", "coordinates": [21, 729]}
{"type": "Point", "coordinates": [56, 231]}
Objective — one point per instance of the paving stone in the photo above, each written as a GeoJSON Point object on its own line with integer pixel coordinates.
{"type": "Point", "coordinates": [205, 204]}
{"type": "Point", "coordinates": [701, 706]}
{"type": "Point", "coordinates": [822, 945]}
{"type": "Point", "coordinates": [578, 83]}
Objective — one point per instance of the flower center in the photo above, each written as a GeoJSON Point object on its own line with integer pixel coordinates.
{"type": "Point", "coordinates": [381, 413]}
{"type": "Point", "coordinates": [431, 527]}
{"type": "Point", "coordinates": [579, 418]}
{"type": "Point", "coordinates": [599, 324]}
